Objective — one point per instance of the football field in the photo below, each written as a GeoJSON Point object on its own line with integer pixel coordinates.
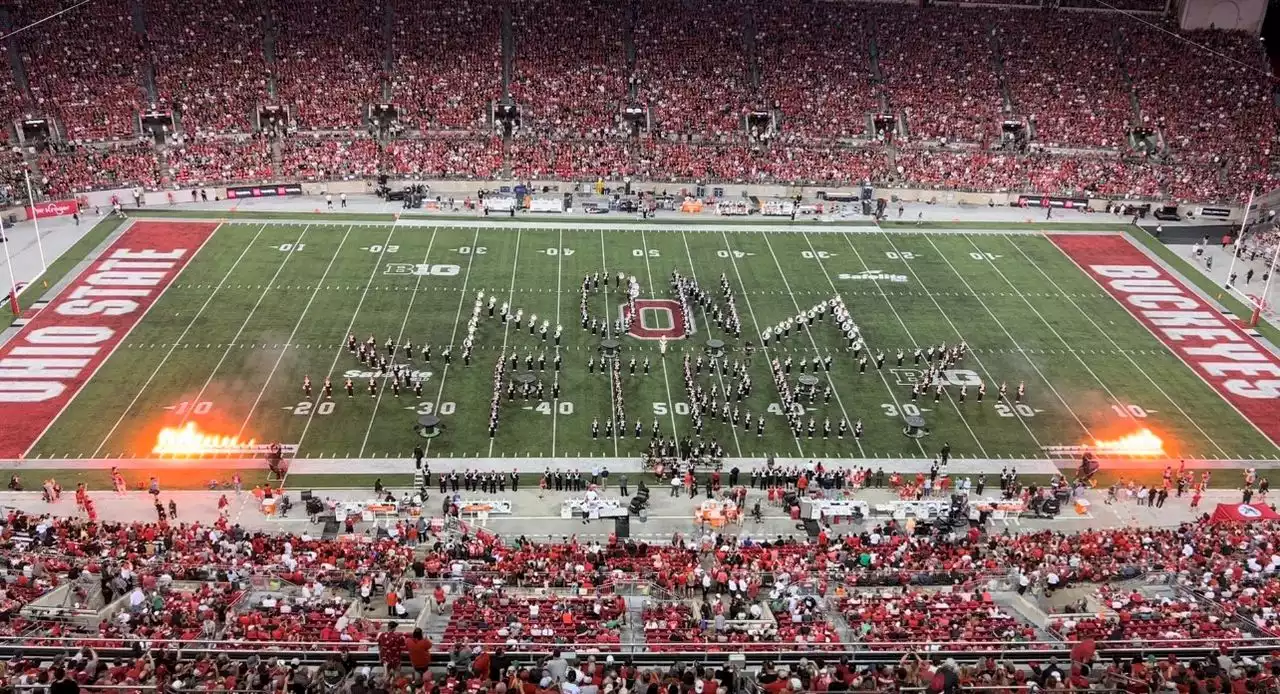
{"type": "Point", "coordinates": [252, 309]}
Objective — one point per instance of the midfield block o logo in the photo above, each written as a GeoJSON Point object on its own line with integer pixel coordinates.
{"type": "Point", "coordinates": [656, 319]}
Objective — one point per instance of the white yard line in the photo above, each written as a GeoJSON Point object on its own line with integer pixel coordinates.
{"type": "Point", "coordinates": [555, 406]}
{"type": "Point", "coordinates": [511, 298]}
{"type": "Point", "coordinates": [173, 347]}
{"type": "Point", "coordinates": [1049, 325]}
{"type": "Point", "coordinates": [876, 283]}
{"type": "Point", "coordinates": [417, 284]}
{"type": "Point", "coordinates": [707, 322]}
{"type": "Point", "coordinates": [662, 359]}
{"type": "Point", "coordinates": [245, 323]}
{"type": "Point", "coordinates": [1017, 347]}
{"type": "Point", "coordinates": [93, 374]}
{"type": "Point", "coordinates": [1116, 345]}
{"type": "Point", "coordinates": [972, 353]}
{"type": "Point", "coordinates": [608, 330]}
{"type": "Point", "coordinates": [809, 333]}
{"type": "Point", "coordinates": [453, 334]}
{"type": "Point", "coordinates": [756, 325]}
{"type": "Point", "coordinates": [266, 382]}
{"type": "Point", "coordinates": [342, 347]}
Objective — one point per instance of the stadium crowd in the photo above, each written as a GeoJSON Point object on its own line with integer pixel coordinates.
{"type": "Point", "coordinates": [101, 104]}
{"type": "Point", "coordinates": [447, 65]}
{"type": "Point", "coordinates": [574, 86]}
{"type": "Point", "coordinates": [330, 75]}
{"type": "Point", "coordinates": [1080, 100]}
{"type": "Point", "coordinates": [1080, 81]}
{"type": "Point", "coordinates": [892, 585]}
{"type": "Point", "coordinates": [209, 63]}
{"type": "Point", "coordinates": [894, 588]}
{"type": "Point", "coordinates": [952, 93]}
{"type": "Point", "coordinates": [822, 93]}
{"type": "Point", "coordinates": [207, 161]}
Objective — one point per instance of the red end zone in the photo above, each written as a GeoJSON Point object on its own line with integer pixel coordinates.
{"type": "Point", "coordinates": [1246, 374]}
{"type": "Point", "coordinates": [49, 361]}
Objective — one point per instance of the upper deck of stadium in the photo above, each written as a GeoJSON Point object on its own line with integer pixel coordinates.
{"type": "Point", "coordinates": [1115, 105]}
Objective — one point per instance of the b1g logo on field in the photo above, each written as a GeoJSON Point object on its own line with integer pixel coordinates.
{"type": "Point", "coordinates": [952, 377]}
{"type": "Point", "coordinates": [657, 319]}
{"type": "Point", "coordinates": [424, 269]}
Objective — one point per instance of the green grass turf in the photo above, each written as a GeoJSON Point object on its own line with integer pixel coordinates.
{"type": "Point", "coordinates": [65, 263]}
{"type": "Point", "coordinates": [1016, 299]}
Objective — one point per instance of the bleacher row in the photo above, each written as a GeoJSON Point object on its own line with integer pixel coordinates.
{"type": "Point", "coordinates": [217, 590]}
{"type": "Point", "coordinates": [215, 161]}
{"type": "Point", "coordinates": [1081, 78]}
{"type": "Point", "coordinates": [881, 588]}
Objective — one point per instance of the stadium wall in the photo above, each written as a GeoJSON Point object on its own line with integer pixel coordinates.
{"type": "Point", "coordinates": [457, 188]}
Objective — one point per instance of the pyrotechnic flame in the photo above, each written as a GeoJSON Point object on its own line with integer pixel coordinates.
{"type": "Point", "coordinates": [1142, 442]}
{"type": "Point", "coordinates": [188, 440]}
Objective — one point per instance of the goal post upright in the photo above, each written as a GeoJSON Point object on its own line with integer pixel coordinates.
{"type": "Point", "coordinates": [1236, 246]}
{"type": "Point", "coordinates": [1261, 304]}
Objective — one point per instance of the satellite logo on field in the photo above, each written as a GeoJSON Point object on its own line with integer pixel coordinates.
{"type": "Point", "coordinates": [873, 276]}
{"type": "Point", "coordinates": [362, 375]}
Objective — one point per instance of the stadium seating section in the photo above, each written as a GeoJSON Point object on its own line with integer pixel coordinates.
{"type": "Point", "coordinates": [880, 590]}
{"type": "Point", "coordinates": [1080, 80]}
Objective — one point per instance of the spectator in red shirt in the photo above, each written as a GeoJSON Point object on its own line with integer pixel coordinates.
{"type": "Point", "coordinates": [419, 652]}
{"type": "Point", "coordinates": [390, 648]}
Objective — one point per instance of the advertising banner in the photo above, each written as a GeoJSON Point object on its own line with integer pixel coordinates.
{"type": "Point", "coordinates": [271, 191]}
{"type": "Point", "coordinates": [57, 208]}
{"type": "Point", "coordinates": [1051, 201]}
{"type": "Point", "coordinates": [778, 208]}
{"type": "Point", "coordinates": [495, 204]}
{"type": "Point", "coordinates": [546, 205]}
